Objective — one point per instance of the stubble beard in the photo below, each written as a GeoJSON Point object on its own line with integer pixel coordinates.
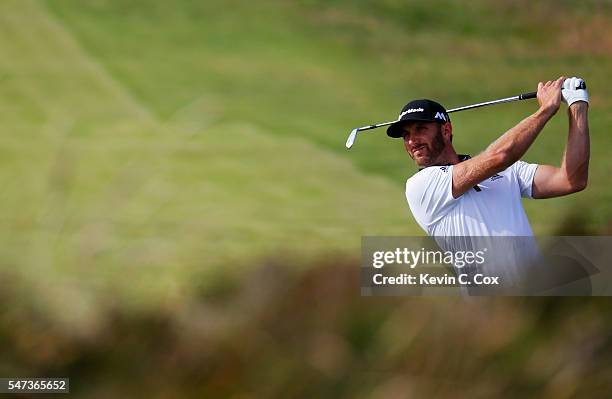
{"type": "Point", "coordinates": [435, 149]}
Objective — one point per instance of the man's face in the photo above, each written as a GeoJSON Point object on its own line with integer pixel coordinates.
{"type": "Point", "coordinates": [424, 142]}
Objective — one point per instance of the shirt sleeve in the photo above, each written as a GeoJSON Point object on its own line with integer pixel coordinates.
{"type": "Point", "coordinates": [430, 195]}
{"type": "Point", "coordinates": [525, 173]}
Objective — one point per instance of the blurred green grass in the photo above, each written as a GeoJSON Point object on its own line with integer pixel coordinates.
{"type": "Point", "coordinates": [277, 332]}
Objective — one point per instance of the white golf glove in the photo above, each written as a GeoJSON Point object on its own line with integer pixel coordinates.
{"type": "Point", "coordinates": [574, 89]}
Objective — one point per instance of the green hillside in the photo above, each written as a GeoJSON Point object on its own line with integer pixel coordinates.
{"type": "Point", "coordinates": [100, 183]}
{"type": "Point", "coordinates": [158, 139]}
{"type": "Point", "coordinates": [316, 69]}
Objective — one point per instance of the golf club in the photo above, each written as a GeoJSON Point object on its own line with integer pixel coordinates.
{"type": "Point", "coordinates": [353, 136]}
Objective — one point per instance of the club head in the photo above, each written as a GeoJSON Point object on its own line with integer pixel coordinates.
{"type": "Point", "coordinates": [351, 138]}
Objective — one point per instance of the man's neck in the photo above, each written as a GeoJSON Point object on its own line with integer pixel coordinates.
{"type": "Point", "coordinates": [448, 157]}
{"type": "Point", "coordinates": [452, 159]}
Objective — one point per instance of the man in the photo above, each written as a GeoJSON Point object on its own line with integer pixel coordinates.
{"type": "Point", "coordinates": [455, 195]}
{"type": "Point", "coordinates": [460, 196]}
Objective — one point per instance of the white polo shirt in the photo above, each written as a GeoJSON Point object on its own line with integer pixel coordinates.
{"type": "Point", "coordinates": [493, 209]}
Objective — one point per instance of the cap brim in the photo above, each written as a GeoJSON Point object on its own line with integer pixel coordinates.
{"type": "Point", "coordinates": [396, 130]}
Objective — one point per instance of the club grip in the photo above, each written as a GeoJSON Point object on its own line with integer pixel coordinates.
{"type": "Point", "coordinates": [526, 96]}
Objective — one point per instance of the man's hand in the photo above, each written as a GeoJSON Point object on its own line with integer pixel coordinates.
{"type": "Point", "coordinates": [574, 89]}
{"type": "Point", "coordinates": [549, 95]}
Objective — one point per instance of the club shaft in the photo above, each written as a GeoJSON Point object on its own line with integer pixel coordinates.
{"type": "Point", "coordinates": [500, 101]}
{"type": "Point", "coordinates": [359, 129]}
{"type": "Point", "coordinates": [523, 96]}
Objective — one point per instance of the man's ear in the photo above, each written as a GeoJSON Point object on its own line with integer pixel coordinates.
{"type": "Point", "coordinates": [447, 131]}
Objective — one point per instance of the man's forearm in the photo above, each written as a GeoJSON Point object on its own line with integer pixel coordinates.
{"type": "Point", "coordinates": [575, 163]}
{"type": "Point", "coordinates": [513, 144]}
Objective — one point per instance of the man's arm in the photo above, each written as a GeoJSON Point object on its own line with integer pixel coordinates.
{"type": "Point", "coordinates": [572, 176]}
{"type": "Point", "coordinates": [511, 146]}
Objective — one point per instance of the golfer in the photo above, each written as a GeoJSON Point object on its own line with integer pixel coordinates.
{"type": "Point", "coordinates": [463, 201]}
{"type": "Point", "coordinates": [459, 195]}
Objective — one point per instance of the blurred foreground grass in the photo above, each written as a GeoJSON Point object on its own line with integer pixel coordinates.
{"type": "Point", "coordinates": [275, 332]}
